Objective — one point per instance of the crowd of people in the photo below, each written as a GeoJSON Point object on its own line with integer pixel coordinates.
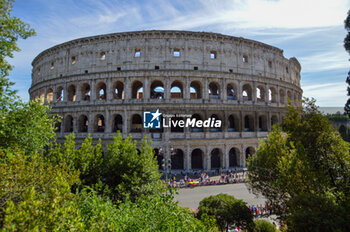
{"type": "Point", "coordinates": [260, 210]}
{"type": "Point", "coordinates": [200, 178]}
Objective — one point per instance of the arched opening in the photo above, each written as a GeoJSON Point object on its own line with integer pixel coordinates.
{"type": "Point", "coordinates": [195, 90]}
{"type": "Point", "coordinates": [157, 90]}
{"type": "Point", "coordinates": [101, 91]}
{"type": "Point", "coordinates": [85, 92]}
{"type": "Point", "coordinates": [36, 96]}
{"type": "Point", "coordinates": [215, 129]}
{"type": "Point", "coordinates": [177, 159]}
{"type": "Point", "coordinates": [117, 124]}
{"type": "Point", "coordinates": [59, 94]}
{"type": "Point", "coordinates": [247, 92]}
{"type": "Point", "coordinates": [281, 96]}
{"type": "Point", "coordinates": [176, 90]}
{"type": "Point", "coordinates": [272, 95]}
{"type": "Point", "coordinates": [100, 123]}
{"type": "Point", "coordinates": [233, 123]}
{"type": "Point", "coordinates": [118, 90]}
{"type": "Point", "coordinates": [137, 90]}
{"type": "Point", "coordinates": [274, 120]}
{"type": "Point", "coordinates": [197, 159]}
{"type": "Point", "coordinates": [215, 158]}
{"type": "Point", "coordinates": [260, 93]}
{"type": "Point", "coordinates": [196, 129]}
{"type": "Point", "coordinates": [71, 93]}
{"type": "Point", "coordinates": [231, 92]}
{"type": "Point", "coordinates": [248, 123]}
{"type": "Point", "coordinates": [262, 123]}
{"type": "Point", "coordinates": [249, 152]}
{"type": "Point", "coordinates": [42, 95]}
{"type": "Point", "coordinates": [214, 90]}
{"type": "Point", "coordinates": [295, 99]}
{"type": "Point", "coordinates": [289, 95]}
{"type": "Point", "coordinates": [159, 156]}
{"type": "Point", "coordinates": [49, 95]}
{"type": "Point", "coordinates": [136, 123]}
{"type": "Point", "coordinates": [68, 124]}
{"type": "Point", "coordinates": [177, 128]}
{"type": "Point", "coordinates": [83, 123]}
{"type": "Point", "coordinates": [233, 157]}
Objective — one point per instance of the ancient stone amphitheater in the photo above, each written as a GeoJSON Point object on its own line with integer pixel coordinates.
{"type": "Point", "coordinates": [104, 83]}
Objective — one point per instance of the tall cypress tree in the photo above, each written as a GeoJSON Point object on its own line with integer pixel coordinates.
{"type": "Point", "coordinates": [347, 48]}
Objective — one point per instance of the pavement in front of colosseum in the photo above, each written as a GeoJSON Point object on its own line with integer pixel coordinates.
{"type": "Point", "coordinates": [190, 197]}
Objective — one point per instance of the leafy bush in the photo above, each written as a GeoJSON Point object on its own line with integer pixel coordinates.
{"type": "Point", "coordinates": [227, 211]}
{"type": "Point", "coordinates": [262, 225]}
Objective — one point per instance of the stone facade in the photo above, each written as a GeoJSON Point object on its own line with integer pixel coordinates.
{"type": "Point", "coordinates": [103, 83]}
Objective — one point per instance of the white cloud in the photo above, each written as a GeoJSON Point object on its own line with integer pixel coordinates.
{"type": "Point", "coordinates": [327, 94]}
{"type": "Point", "coordinates": [324, 61]}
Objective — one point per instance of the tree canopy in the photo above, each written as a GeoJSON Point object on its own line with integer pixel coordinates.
{"type": "Point", "coordinates": [303, 168]}
{"type": "Point", "coordinates": [227, 211]}
{"type": "Point", "coordinates": [347, 48]}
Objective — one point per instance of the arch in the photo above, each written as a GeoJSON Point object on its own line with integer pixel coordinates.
{"type": "Point", "coordinates": [262, 123]}
{"type": "Point", "coordinates": [214, 90]}
{"type": "Point", "coordinates": [159, 156]}
{"type": "Point", "coordinates": [177, 159]}
{"type": "Point", "coordinates": [274, 120]}
{"type": "Point", "coordinates": [233, 123]}
{"type": "Point", "coordinates": [295, 99]}
{"type": "Point", "coordinates": [101, 91]}
{"type": "Point", "coordinates": [83, 123]}
{"type": "Point", "coordinates": [137, 90]}
{"type": "Point", "coordinates": [195, 90]}
{"type": "Point", "coordinates": [231, 92]}
{"type": "Point", "coordinates": [272, 95]}
{"type": "Point", "coordinates": [72, 93]}
{"type": "Point", "coordinates": [216, 158]}
{"type": "Point", "coordinates": [49, 95]}
{"type": "Point", "coordinates": [100, 123]}
{"type": "Point", "coordinates": [215, 129]}
{"type": "Point", "coordinates": [157, 90]}
{"type": "Point", "coordinates": [247, 92]}
{"type": "Point", "coordinates": [68, 123]}
{"type": "Point", "coordinates": [177, 128]}
{"type": "Point", "coordinates": [118, 90]}
{"type": "Point", "coordinates": [42, 95]}
{"type": "Point", "coordinates": [196, 129]}
{"type": "Point", "coordinates": [117, 124]}
{"type": "Point", "coordinates": [249, 151]}
{"type": "Point", "coordinates": [136, 123]}
{"type": "Point", "coordinates": [197, 159]}
{"type": "Point", "coordinates": [233, 157]}
{"type": "Point", "coordinates": [59, 94]}
{"type": "Point", "coordinates": [281, 96]}
{"type": "Point", "coordinates": [248, 123]}
{"type": "Point", "coordinates": [260, 93]}
{"type": "Point", "coordinates": [85, 92]}
{"type": "Point", "coordinates": [289, 95]}
{"type": "Point", "coordinates": [176, 90]}
{"type": "Point", "coordinates": [36, 96]}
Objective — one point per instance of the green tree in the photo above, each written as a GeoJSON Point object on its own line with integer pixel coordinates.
{"type": "Point", "coordinates": [304, 171]}
{"type": "Point", "coordinates": [347, 48]}
{"type": "Point", "coordinates": [129, 171]}
{"type": "Point", "coordinates": [34, 194]}
{"type": "Point", "coordinates": [11, 30]}
{"type": "Point", "coordinates": [25, 125]}
{"type": "Point", "coordinates": [227, 211]}
{"type": "Point", "coordinates": [262, 225]}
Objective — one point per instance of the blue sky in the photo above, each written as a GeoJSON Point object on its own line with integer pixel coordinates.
{"type": "Point", "coordinates": [311, 30]}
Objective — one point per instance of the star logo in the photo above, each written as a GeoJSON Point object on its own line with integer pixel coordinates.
{"type": "Point", "coordinates": [151, 119]}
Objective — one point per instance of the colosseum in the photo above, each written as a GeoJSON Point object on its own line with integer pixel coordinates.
{"type": "Point", "coordinates": [103, 84]}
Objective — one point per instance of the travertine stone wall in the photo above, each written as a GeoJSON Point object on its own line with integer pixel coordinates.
{"type": "Point", "coordinates": [103, 83]}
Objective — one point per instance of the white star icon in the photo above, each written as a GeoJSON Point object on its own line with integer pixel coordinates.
{"type": "Point", "coordinates": [156, 115]}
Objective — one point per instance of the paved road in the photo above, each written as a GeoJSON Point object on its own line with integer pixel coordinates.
{"type": "Point", "coordinates": [190, 197]}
